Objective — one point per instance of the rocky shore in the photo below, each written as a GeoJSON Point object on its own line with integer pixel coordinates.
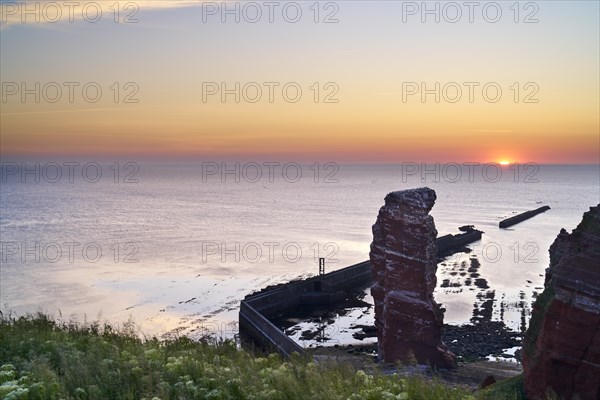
{"type": "Point", "coordinates": [482, 339]}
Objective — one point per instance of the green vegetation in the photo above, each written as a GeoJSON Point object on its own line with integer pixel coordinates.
{"type": "Point", "coordinates": [43, 359]}
{"type": "Point", "coordinates": [540, 307]}
{"type": "Point", "coordinates": [509, 389]}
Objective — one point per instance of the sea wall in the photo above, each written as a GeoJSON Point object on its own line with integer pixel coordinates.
{"type": "Point", "coordinates": [255, 309]}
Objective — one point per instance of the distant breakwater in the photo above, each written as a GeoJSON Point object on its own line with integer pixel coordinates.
{"type": "Point", "coordinates": [505, 223]}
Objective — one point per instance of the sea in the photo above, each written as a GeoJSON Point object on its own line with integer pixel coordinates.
{"type": "Point", "coordinates": [170, 248]}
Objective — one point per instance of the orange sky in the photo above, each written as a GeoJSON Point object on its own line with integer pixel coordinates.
{"type": "Point", "coordinates": [367, 65]}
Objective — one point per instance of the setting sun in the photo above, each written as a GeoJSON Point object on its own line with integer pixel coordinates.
{"type": "Point", "coordinates": [504, 162]}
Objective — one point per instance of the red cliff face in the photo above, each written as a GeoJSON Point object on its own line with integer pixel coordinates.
{"type": "Point", "coordinates": [561, 349]}
{"type": "Point", "coordinates": [403, 258]}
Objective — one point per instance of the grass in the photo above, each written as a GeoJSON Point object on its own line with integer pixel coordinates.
{"type": "Point", "coordinates": [509, 389]}
{"type": "Point", "coordinates": [44, 359]}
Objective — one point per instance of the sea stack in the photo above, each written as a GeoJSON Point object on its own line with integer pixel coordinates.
{"type": "Point", "coordinates": [403, 258]}
{"type": "Point", "coordinates": [561, 349]}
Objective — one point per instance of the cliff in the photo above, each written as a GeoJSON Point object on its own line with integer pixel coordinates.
{"type": "Point", "coordinates": [561, 349]}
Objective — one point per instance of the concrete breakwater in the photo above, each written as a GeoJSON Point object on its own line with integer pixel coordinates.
{"type": "Point", "coordinates": [257, 308]}
{"type": "Point", "coordinates": [505, 223]}
{"type": "Point", "coordinates": [449, 244]}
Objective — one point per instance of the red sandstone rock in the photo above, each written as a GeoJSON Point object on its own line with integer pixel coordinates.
{"type": "Point", "coordinates": [561, 349]}
{"type": "Point", "coordinates": [403, 258]}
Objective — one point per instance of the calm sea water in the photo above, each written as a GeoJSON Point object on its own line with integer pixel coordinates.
{"type": "Point", "coordinates": [175, 248]}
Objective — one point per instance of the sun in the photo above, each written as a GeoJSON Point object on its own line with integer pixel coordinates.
{"type": "Point", "coordinates": [503, 162]}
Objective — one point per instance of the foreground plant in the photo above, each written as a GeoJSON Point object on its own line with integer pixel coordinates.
{"type": "Point", "coordinates": [43, 359]}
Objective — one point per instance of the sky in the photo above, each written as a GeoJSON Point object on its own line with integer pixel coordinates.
{"type": "Point", "coordinates": [345, 81]}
